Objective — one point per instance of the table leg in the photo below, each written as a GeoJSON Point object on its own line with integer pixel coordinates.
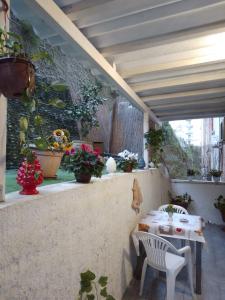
{"type": "Point", "coordinates": [198, 287]}
{"type": "Point", "coordinates": [140, 261]}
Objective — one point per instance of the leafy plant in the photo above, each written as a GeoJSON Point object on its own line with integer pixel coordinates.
{"type": "Point", "coordinates": [154, 138]}
{"type": "Point", "coordinates": [84, 111]}
{"type": "Point", "coordinates": [83, 161]}
{"type": "Point", "coordinates": [182, 200]}
{"type": "Point", "coordinates": [91, 289]}
{"type": "Point", "coordinates": [170, 209]}
{"type": "Point", "coordinates": [220, 203]}
{"type": "Point", "coordinates": [33, 117]}
{"type": "Point", "coordinates": [127, 159]}
{"type": "Point", "coordinates": [215, 173]}
{"type": "Point", "coordinates": [191, 172]}
{"type": "Point", "coordinates": [11, 46]}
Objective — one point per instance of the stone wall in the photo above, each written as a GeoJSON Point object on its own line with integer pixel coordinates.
{"type": "Point", "coordinates": [48, 239]}
{"type": "Point", "coordinates": [127, 121]}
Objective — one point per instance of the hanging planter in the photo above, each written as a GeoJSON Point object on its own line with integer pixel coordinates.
{"type": "Point", "coordinates": [17, 75]}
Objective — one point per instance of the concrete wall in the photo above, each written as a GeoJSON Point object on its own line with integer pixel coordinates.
{"type": "Point", "coordinates": [48, 239]}
{"type": "Point", "coordinates": [203, 193]}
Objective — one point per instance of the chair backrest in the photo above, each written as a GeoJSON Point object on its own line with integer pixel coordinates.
{"type": "Point", "coordinates": [155, 248]}
{"type": "Point", "coordinates": [178, 209]}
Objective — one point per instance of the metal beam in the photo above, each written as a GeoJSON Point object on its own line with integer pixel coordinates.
{"type": "Point", "coordinates": [193, 116]}
{"type": "Point", "coordinates": [179, 81]}
{"type": "Point", "coordinates": [188, 95]}
{"type": "Point", "coordinates": [183, 105]}
{"type": "Point", "coordinates": [55, 17]}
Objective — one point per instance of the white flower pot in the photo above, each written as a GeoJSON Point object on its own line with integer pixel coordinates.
{"type": "Point", "coordinates": [111, 165]}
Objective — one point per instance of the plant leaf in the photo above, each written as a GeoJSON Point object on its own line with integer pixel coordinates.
{"type": "Point", "coordinates": [103, 292]}
{"type": "Point", "coordinates": [23, 122]}
{"type": "Point", "coordinates": [59, 87]}
{"type": "Point", "coordinates": [91, 297]}
{"type": "Point", "coordinates": [87, 276]}
{"type": "Point", "coordinates": [42, 55]}
{"type": "Point", "coordinates": [22, 137]}
{"type": "Point", "coordinates": [110, 297]}
{"type": "Point", "coordinates": [38, 120]}
{"type": "Point", "coordinates": [56, 103]}
{"type": "Point", "coordinates": [41, 144]}
{"type": "Point", "coordinates": [103, 281]}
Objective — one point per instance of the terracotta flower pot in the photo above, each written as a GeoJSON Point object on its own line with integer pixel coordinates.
{"type": "Point", "coordinates": [50, 162]}
{"type": "Point", "coordinates": [83, 178]}
{"type": "Point", "coordinates": [16, 76]}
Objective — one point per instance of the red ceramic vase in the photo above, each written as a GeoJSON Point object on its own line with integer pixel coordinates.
{"type": "Point", "coordinates": [29, 176]}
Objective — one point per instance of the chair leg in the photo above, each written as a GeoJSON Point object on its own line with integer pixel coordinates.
{"type": "Point", "coordinates": [170, 286]}
{"type": "Point", "coordinates": [144, 268]}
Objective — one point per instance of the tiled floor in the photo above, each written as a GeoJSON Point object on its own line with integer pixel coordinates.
{"type": "Point", "coordinates": [213, 274]}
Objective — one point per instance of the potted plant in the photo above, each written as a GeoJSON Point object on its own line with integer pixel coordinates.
{"type": "Point", "coordinates": [127, 161]}
{"type": "Point", "coordinates": [17, 73]}
{"type": "Point", "coordinates": [155, 138]}
{"type": "Point", "coordinates": [50, 150]}
{"type": "Point", "coordinates": [216, 174]}
{"type": "Point", "coordinates": [84, 163]}
{"type": "Point", "coordinates": [220, 204]}
{"type": "Point", "coordinates": [170, 210]}
{"type": "Point", "coordinates": [190, 174]}
{"type": "Point", "coordinates": [181, 200]}
{"type": "Point", "coordinates": [29, 175]}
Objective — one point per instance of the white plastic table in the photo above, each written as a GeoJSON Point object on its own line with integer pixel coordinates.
{"type": "Point", "coordinates": [184, 227]}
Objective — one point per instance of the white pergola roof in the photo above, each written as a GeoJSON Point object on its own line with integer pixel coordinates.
{"type": "Point", "coordinates": [166, 56]}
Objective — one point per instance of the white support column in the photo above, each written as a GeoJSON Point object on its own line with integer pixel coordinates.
{"type": "Point", "coordinates": [3, 127]}
{"type": "Point", "coordinates": [145, 129]}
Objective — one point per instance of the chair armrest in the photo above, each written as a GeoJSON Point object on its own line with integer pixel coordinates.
{"type": "Point", "coordinates": [183, 250]}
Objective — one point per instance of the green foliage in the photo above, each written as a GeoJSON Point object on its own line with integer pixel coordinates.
{"type": "Point", "coordinates": [215, 173]}
{"type": "Point", "coordinates": [91, 289]}
{"type": "Point", "coordinates": [191, 172]}
{"type": "Point", "coordinates": [182, 200]}
{"type": "Point", "coordinates": [154, 138]}
{"type": "Point", "coordinates": [83, 161]}
{"type": "Point", "coordinates": [84, 111]}
{"type": "Point", "coordinates": [170, 209]}
{"type": "Point", "coordinates": [33, 122]}
{"type": "Point", "coordinates": [220, 203]}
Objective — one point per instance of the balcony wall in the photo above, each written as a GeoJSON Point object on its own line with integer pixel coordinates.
{"type": "Point", "coordinates": [48, 239]}
{"type": "Point", "coordinates": [203, 193]}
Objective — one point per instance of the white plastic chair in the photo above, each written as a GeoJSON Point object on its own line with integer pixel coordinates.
{"type": "Point", "coordinates": [178, 209]}
{"type": "Point", "coordinates": [159, 258]}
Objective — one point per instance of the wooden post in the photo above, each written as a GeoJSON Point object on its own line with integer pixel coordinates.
{"type": "Point", "coordinates": [145, 129]}
{"type": "Point", "coordinates": [3, 127]}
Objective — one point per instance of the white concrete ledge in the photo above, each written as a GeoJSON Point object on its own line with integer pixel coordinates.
{"type": "Point", "coordinates": [197, 182]}
{"type": "Point", "coordinates": [48, 239]}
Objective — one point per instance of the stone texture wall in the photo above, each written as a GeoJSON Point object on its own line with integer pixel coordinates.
{"type": "Point", "coordinates": [48, 239]}
{"type": "Point", "coordinates": [126, 124]}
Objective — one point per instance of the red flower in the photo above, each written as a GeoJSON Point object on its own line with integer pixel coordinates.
{"type": "Point", "coordinates": [67, 152]}
{"type": "Point", "coordinates": [97, 151]}
{"type": "Point", "coordinates": [86, 148]}
{"type": "Point", "coordinates": [72, 151]}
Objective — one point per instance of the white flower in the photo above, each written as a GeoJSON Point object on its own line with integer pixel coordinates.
{"type": "Point", "coordinates": [127, 155]}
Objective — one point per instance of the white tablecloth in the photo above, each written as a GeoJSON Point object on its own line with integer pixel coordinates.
{"type": "Point", "coordinates": [187, 227]}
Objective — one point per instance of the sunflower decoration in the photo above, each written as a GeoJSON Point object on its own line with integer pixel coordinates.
{"type": "Point", "coordinates": [60, 140]}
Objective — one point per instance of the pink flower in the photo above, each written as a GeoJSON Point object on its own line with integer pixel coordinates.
{"type": "Point", "coordinates": [97, 151]}
{"type": "Point", "coordinates": [67, 152]}
{"type": "Point", "coordinates": [72, 151]}
{"type": "Point", "coordinates": [86, 148]}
